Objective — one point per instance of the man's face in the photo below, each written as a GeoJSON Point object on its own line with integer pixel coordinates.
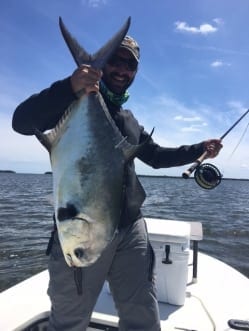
{"type": "Point", "coordinates": [119, 72]}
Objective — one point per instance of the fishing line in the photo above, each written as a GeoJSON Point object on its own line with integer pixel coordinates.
{"type": "Point", "coordinates": [235, 148]}
{"type": "Point", "coordinates": [241, 138]}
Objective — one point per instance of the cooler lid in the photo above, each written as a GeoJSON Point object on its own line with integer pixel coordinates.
{"type": "Point", "coordinates": [168, 230]}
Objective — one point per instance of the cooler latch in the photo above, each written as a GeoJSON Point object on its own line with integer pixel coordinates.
{"type": "Point", "coordinates": [167, 252]}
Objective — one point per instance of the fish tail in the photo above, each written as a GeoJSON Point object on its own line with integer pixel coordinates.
{"type": "Point", "coordinates": [98, 59]}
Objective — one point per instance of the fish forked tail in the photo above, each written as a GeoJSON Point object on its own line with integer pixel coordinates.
{"type": "Point", "coordinates": [98, 59]}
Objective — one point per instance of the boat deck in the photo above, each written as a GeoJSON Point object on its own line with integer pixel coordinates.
{"type": "Point", "coordinates": [215, 295]}
{"type": "Point", "coordinates": [200, 312]}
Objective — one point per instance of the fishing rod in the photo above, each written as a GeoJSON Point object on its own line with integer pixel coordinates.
{"type": "Point", "coordinates": [207, 175]}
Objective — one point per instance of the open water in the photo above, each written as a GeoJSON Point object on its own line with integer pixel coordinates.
{"type": "Point", "coordinates": [26, 219]}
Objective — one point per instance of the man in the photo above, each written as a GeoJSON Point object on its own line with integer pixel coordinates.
{"type": "Point", "coordinates": [127, 262]}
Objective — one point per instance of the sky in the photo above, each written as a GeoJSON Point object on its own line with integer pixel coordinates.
{"type": "Point", "coordinates": [192, 82]}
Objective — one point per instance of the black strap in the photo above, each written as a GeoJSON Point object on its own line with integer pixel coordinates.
{"type": "Point", "coordinates": [50, 242]}
{"type": "Point", "coordinates": [51, 239]}
{"type": "Point", "coordinates": [78, 279]}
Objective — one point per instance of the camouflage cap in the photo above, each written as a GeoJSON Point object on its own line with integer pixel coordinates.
{"type": "Point", "coordinates": [132, 46]}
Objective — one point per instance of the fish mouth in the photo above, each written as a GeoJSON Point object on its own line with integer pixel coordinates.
{"type": "Point", "coordinates": [79, 247]}
{"type": "Point", "coordinates": [80, 257]}
{"type": "Point", "coordinates": [83, 253]}
{"type": "Point", "coordinates": [80, 218]}
{"type": "Point", "coordinates": [76, 240]}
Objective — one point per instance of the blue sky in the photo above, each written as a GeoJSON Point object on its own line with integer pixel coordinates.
{"type": "Point", "coordinates": [192, 82]}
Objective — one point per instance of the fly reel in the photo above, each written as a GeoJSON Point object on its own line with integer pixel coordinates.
{"type": "Point", "coordinates": [207, 176]}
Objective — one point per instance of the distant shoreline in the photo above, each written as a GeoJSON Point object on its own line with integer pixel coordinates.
{"type": "Point", "coordinates": [142, 176]}
{"type": "Point", "coordinates": [178, 177]}
{"type": "Point", "coordinates": [8, 171]}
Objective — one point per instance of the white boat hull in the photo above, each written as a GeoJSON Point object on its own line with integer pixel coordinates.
{"type": "Point", "coordinates": [221, 293]}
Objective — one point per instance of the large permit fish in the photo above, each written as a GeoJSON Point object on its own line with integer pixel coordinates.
{"type": "Point", "coordinates": [88, 156]}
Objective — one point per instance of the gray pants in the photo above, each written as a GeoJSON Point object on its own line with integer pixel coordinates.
{"type": "Point", "coordinates": [127, 263]}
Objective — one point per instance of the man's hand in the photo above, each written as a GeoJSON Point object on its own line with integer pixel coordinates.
{"type": "Point", "coordinates": [212, 147]}
{"type": "Point", "coordinates": [85, 79]}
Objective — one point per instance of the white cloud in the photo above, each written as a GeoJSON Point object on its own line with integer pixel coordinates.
{"type": "Point", "coordinates": [94, 3]}
{"type": "Point", "coordinates": [187, 119]}
{"type": "Point", "coordinates": [175, 121]}
{"type": "Point", "coordinates": [204, 28]}
{"type": "Point", "coordinates": [196, 123]}
{"type": "Point", "coordinates": [195, 127]}
{"type": "Point", "coordinates": [218, 21]}
{"type": "Point", "coordinates": [191, 128]}
{"type": "Point", "coordinates": [219, 63]}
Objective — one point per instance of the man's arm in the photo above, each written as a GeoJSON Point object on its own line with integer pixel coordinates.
{"type": "Point", "coordinates": [164, 157]}
{"type": "Point", "coordinates": [43, 110]}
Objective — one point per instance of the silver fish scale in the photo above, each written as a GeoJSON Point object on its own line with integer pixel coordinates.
{"type": "Point", "coordinates": [88, 156]}
{"type": "Point", "coordinates": [88, 172]}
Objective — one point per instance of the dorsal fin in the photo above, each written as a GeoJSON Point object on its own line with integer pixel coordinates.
{"type": "Point", "coordinates": [98, 59]}
{"type": "Point", "coordinates": [48, 139]}
{"type": "Point", "coordinates": [43, 138]}
{"type": "Point", "coordinates": [131, 151]}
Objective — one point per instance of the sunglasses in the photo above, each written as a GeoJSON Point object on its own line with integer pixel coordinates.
{"type": "Point", "coordinates": [118, 61]}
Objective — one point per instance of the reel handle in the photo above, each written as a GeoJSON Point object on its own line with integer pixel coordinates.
{"type": "Point", "coordinates": [186, 174]}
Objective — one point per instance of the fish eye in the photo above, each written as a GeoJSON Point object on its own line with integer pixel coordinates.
{"type": "Point", "coordinates": [65, 213]}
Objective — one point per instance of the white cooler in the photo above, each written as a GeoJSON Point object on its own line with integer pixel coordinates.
{"type": "Point", "coordinates": [170, 241]}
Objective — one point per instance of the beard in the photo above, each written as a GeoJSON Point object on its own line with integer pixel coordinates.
{"type": "Point", "coordinates": [116, 82]}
